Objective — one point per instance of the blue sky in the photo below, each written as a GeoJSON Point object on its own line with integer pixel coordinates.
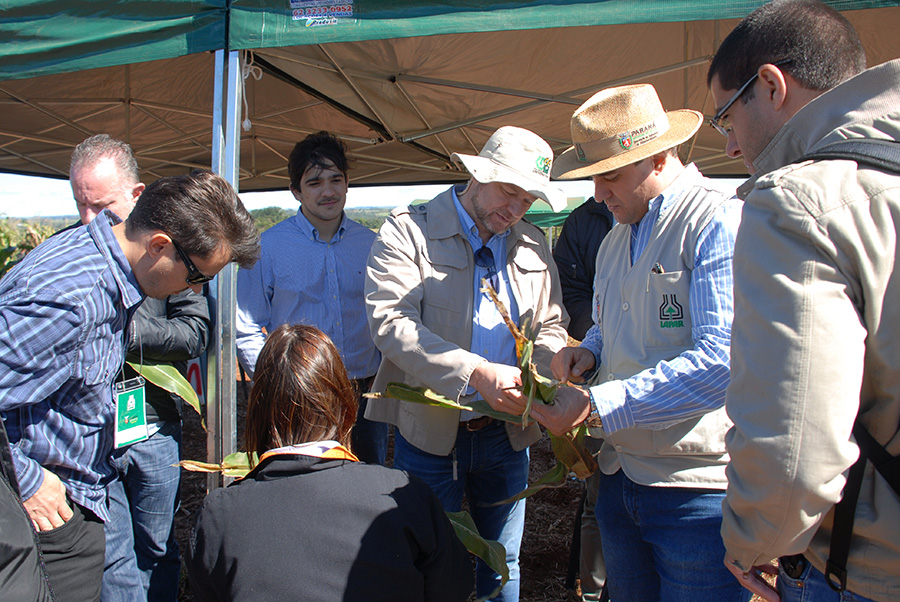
{"type": "Point", "coordinates": [26, 196]}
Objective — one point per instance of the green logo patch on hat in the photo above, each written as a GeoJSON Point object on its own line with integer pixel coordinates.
{"type": "Point", "coordinates": [542, 165]}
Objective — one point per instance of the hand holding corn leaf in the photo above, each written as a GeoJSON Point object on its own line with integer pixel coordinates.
{"type": "Point", "coordinates": [569, 449]}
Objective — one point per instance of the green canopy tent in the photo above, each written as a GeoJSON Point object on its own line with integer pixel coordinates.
{"type": "Point", "coordinates": [234, 85]}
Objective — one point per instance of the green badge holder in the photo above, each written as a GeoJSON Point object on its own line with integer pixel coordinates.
{"type": "Point", "coordinates": [131, 412]}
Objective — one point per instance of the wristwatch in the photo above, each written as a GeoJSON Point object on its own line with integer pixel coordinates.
{"type": "Point", "coordinates": [593, 420]}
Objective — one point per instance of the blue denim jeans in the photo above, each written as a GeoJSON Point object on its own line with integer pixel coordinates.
{"type": "Point", "coordinates": [662, 544]}
{"type": "Point", "coordinates": [142, 560]}
{"type": "Point", "coordinates": [812, 587]}
{"type": "Point", "coordinates": [368, 439]}
{"type": "Point", "coordinates": [485, 468]}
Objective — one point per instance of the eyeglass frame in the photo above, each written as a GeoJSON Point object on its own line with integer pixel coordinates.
{"type": "Point", "coordinates": [715, 120]}
{"type": "Point", "coordinates": [195, 276]}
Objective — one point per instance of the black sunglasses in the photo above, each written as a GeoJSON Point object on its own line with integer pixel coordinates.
{"type": "Point", "coordinates": [195, 276]}
{"type": "Point", "coordinates": [484, 258]}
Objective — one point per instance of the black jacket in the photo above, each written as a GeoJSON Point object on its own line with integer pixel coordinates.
{"type": "Point", "coordinates": [304, 528]}
{"type": "Point", "coordinates": [172, 330]}
{"type": "Point", "coordinates": [576, 259]}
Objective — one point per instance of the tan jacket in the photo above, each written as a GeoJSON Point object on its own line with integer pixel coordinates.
{"type": "Point", "coordinates": [419, 299]}
{"type": "Point", "coordinates": [815, 340]}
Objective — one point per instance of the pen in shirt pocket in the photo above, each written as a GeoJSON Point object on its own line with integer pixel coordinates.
{"type": "Point", "coordinates": [657, 269]}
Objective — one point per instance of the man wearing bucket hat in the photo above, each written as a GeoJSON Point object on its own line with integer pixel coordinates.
{"type": "Point", "coordinates": [436, 328]}
{"type": "Point", "coordinates": [659, 349]}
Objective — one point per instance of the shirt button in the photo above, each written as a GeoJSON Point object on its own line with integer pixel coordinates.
{"type": "Point", "coordinates": [610, 377]}
{"type": "Point", "coordinates": [618, 448]}
{"type": "Point", "coordinates": [625, 306]}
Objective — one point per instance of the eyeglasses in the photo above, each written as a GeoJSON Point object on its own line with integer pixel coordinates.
{"type": "Point", "coordinates": [718, 121]}
{"type": "Point", "coordinates": [484, 258]}
{"type": "Point", "coordinates": [195, 276]}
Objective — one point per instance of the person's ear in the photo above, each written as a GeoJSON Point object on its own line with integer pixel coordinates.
{"type": "Point", "coordinates": [773, 85]}
{"type": "Point", "coordinates": [296, 194]}
{"type": "Point", "coordinates": [136, 191]}
{"type": "Point", "coordinates": [157, 244]}
{"type": "Point", "coordinates": [659, 162]}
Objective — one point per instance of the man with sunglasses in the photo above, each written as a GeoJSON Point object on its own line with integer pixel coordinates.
{"type": "Point", "coordinates": [436, 328]}
{"type": "Point", "coordinates": [814, 348]}
{"type": "Point", "coordinates": [142, 559]}
{"type": "Point", "coordinates": [656, 357]}
{"type": "Point", "coordinates": [65, 309]}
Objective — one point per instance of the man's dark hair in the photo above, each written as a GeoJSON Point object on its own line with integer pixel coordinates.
{"type": "Point", "coordinates": [200, 212]}
{"type": "Point", "coordinates": [103, 146]}
{"type": "Point", "coordinates": [316, 150]}
{"type": "Point", "coordinates": [820, 42]}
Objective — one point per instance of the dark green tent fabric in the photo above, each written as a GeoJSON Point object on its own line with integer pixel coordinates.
{"type": "Point", "coordinates": [41, 38]}
{"type": "Point", "coordinates": [53, 36]}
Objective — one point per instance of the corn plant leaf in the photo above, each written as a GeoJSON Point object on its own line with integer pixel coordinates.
{"type": "Point", "coordinates": [166, 376]}
{"type": "Point", "coordinates": [233, 465]}
{"type": "Point", "coordinates": [571, 451]}
{"type": "Point", "coordinates": [432, 398]}
{"type": "Point", "coordinates": [554, 477]}
{"type": "Point", "coordinates": [491, 552]}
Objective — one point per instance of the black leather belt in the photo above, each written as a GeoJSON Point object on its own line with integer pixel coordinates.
{"type": "Point", "coordinates": [476, 424]}
{"type": "Point", "coordinates": [793, 566]}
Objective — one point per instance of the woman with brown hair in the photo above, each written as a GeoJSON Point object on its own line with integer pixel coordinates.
{"type": "Point", "coordinates": [310, 522]}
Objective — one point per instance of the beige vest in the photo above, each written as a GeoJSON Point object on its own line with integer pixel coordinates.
{"type": "Point", "coordinates": [644, 319]}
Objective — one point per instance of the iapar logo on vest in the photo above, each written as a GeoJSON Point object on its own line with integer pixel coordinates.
{"type": "Point", "coordinates": [671, 314]}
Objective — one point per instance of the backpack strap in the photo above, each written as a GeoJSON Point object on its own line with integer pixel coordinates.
{"type": "Point", "coordinates": [881, 154]}
{"type": "Point", "coordinates": [885, 156]}
{"type": "Point", "coordinates": [845, 510]}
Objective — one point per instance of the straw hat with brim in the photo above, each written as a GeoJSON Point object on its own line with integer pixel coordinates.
{"type": "Point", "coordinates": [519, 157]}
{"type": "Point", "coordinates": [620, 126]}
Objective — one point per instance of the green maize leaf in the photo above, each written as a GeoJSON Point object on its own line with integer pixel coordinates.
{"type": "Point", "coordinates": [571, 451]}
{"type": "Point", "coordinates": [483, 407]}
{"type": "Point", "coordinates": [428, 397]}
{"type": "Point", "coordinates": [491, 552]}
{"type": "Point", "coordinates": [554, 477]}
{"type": "Point", "coordinates": [416, 395]}
{"type": "Point", "coordinates": [234, 465]}
{"type": "Point", "coordinates": [166, 376]}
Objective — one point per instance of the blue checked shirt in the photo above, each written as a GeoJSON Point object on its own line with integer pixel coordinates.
{"type": "Point", "coordinates": [302, 279]}
{"type": "Point", "coordinates": [63, 313]}
{"type": "Point", "coordinates": [694, 382]}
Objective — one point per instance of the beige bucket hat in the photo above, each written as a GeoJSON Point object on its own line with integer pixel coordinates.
{"type": "Point", "coordinates": [516, 156]}
{"type": "Point", "coordinates": [620, 126]}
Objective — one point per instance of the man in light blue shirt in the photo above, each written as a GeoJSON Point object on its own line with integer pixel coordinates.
{"type": "Point", "coordinates": [658, 349]}
{"type": "Point", "coordinates": [312, 271]}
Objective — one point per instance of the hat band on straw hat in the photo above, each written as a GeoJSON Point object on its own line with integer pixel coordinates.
{"type": "Point", "coordinates": [598, 150]}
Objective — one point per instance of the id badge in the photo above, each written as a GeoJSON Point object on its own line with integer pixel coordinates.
{"type": "Point", "coordinates": [131, 412]}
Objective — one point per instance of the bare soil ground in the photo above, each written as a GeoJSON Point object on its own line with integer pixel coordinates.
{"type": "Point", "coordinates": [549, 519]}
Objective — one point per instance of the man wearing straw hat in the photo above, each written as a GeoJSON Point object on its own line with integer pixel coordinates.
{"type": "Point", "coordinates": [436, 328]}
{"type": "Point", "coordinates": [659, 349]}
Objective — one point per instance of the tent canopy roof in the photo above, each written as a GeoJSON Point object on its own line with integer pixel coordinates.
{"type": "Point", "coordinates": [404, 84]}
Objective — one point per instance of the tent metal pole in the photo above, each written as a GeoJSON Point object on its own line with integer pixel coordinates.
{"type": "Point", "coordinates": [221, 413]}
